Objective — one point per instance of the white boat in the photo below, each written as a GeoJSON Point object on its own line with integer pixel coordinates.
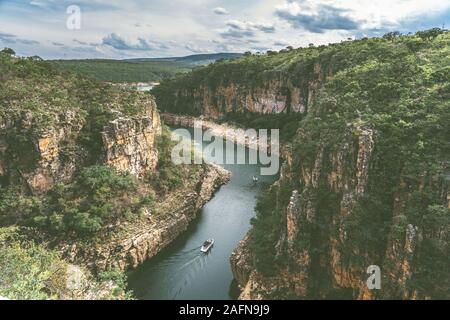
{"type": "Point", "coordinates": [207, 245]}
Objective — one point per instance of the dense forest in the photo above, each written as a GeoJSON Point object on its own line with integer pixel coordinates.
{"type": "Point", "coordinates": [123, 71]}
{"type": "Point", "coordinates": [138, 70]}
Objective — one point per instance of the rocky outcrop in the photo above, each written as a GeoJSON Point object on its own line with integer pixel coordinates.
{"type": "Point", "coordinates": [38, 160]}
{"type": "Point", "coordinates": [137, 242]}
{"type": "Point", "coordinates": [241, 262]}
{"type": "Point", "coordinates": [275, 97]}
{"type": "Point", "coordinates": [81, 285]}
{"type": "Point", "coordinates": [253, 285]}
{"type": "Point", "coordinates": [129, 143]}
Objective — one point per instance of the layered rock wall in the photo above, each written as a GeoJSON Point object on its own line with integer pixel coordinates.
{"type": "Point", "coordinates": [279, 93]}
{"type": "Point", "coordinates": [40, 160]}
{"type": "Point", "coordinates": [129, 143]}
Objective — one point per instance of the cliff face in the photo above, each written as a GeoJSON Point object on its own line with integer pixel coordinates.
{"type": "Point", "coordinates": [129, 143]}
{"type": "Point", "coordinates": [330, 235]}
{"type": "Point", "coordinates": [239, 93]}
{"type": "Point", "coordinates": [39, 161]}
{"type": "Point", "coordinates": [276, 96]}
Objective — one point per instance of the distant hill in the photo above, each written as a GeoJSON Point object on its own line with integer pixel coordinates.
{"type": "Point", "coordinates": [139, 70]}
{"type": "Point", "coordinates": [195, 60]}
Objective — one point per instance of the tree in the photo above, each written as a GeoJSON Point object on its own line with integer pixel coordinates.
{"type": "Point", "coordinates": [391, 36]}
{"type": "Point", "coordinates": [8, 51]}
{"type": "Point", "coordinates": [430, 34]}
{"type": "Point", "coordinates": [35, 58]}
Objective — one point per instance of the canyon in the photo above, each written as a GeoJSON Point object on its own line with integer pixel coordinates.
{"type": "Point", "coordinates": [364, 180]}
{"type": "Point", "coordinates": [355, 189]}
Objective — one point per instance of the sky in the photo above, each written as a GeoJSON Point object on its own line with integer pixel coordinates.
{"type": "Point", "coordinates": [113, 29]}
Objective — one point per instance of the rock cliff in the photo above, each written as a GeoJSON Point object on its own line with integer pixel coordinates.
{"type": "Point", "coordinates": [129, 143]}
{"type": "Point", "coordinates": [37, 160]}
{"type": "Point", "coordinates": [236, 88]}
{"type": "Point", "coordinates": [330, 234]}
{"type": "Point", "coordinates": [40, 160]}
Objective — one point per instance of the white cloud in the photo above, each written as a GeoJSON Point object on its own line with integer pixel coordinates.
{"type": "Point", "coordinates": [38, 3]}
{"type": "Point", "coordinates": [178, 27]}
{"type": "Point", "coordinates": [195, 49]}
{"type": "Point", "coordinates": [281, 43]}
{"type": "Point", "coordinates": [366, 14]}
{"type": "Point", "coordinates": [243, 29]}
{"type": "Point", "coordinates": [221, 11]}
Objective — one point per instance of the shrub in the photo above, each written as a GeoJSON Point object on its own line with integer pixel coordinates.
{"type": "Point", "coordinates": [83, 223]}
{"type": "Point", "coordinates": [28, 271]}
{"type": "Point", "coordinates": [101, 179]}
{"type": "Point", "coordinates": [98, 196]}
{"type": "Point", "coordinates": [168, 176]}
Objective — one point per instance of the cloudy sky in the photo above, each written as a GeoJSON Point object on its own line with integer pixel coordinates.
{"type": "Point", "coordinates": [161, 28]}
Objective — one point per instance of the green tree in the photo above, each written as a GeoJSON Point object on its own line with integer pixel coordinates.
{"type": "Point", "coordinates": [8, 51]}
{"type": "Point", "coordinates": [430, 34]}
{"type": "Point", "coordinates": [391, 36]}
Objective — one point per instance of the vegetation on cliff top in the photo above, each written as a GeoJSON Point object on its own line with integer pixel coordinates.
{"type": "Point", "coordinates": [34, 87]}
{"type": "Point", "coordinates": [123, 71]}
{"type": "Point", "coordinates": [138, 70]}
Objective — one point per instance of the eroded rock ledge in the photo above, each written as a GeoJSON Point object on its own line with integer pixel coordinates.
{"type": "Point", "coordinates": [136, 242]}
{"type": "Point", "coordinates": [129, 143]}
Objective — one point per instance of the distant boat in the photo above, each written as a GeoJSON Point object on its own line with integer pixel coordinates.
{"type": "Point", "coordinates": [207, 245]}
{"type": "Point", "coordinates": [255, 179]}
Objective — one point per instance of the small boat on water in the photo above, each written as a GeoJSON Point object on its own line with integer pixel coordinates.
{"type": "Point", "coordinates": [255, 179]}
{"type": "Point", "coordinates": [207, 245]}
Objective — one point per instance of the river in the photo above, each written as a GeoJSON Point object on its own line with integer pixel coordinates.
{"type": "Point", "coordinates": [181, 271]}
